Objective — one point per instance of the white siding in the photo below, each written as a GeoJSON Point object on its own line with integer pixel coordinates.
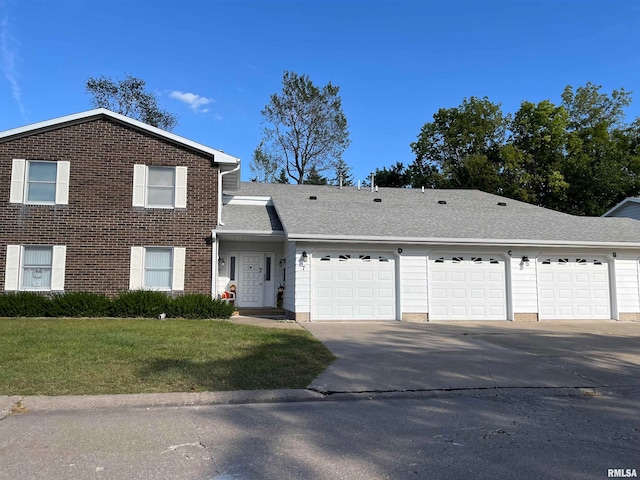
{"type": "Point", "coordinates": [289, 287]}
{"type": "Point", "coordinates": [413, 282]}
{"type": "Point", "coordinates": [627, 288]}
{"type": "Point", "coordinates": [524, 285]}
{"type": "Point", "coordinates": [302, 279]}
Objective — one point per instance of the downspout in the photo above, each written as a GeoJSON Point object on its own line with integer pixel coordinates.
{"type": "Point", "coordinates": [220, 191]}
{"type": "Point", "coordinates": [214, 264]}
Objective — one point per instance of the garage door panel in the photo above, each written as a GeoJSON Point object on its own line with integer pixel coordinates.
{"type": "Point", "coordinates": [365, 293]}
{"type": "Point", "coordinates": [351, 285]}
{"type": "Point", "coordinates": [385, 293]}
{"type": "Point", "coordinates": [574, 288]}
{"type": "Point", "coordinates": [344, 293]}
{"type": "Point", "coordinates": [344, 275]}
{"type": "Point", "coordinates": [477, 294]}
{"type": "Point", "coordinates": [385, 276]}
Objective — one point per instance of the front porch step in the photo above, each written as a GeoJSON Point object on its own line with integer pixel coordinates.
{"type": "Point", "coordinates": [260, 312]}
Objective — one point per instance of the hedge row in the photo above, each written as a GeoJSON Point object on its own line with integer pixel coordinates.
{"type": "Point", "coordinates": [140, 303]}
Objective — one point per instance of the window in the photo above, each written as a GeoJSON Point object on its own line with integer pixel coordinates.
{"type": "Point", "coordinates": [267, 269]}
{"type": "Point", "coordinates": [157, 268]}
{"type": "Point", "coordinates": [35, 267]}
{"type": "Point", "coordinates": [232, 268]}
{"type": "Point", "coordinates": [159, 187]}
{"type": "Point", "coordinates": [158, 264]}
{"type": "Point", "coordinates": [39, 182]}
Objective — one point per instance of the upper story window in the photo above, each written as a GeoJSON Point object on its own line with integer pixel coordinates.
{"type": "Point", "coordinates": [39, 182]}
{"type": "Point", "coordinates": [35, 267]}
{"type": "Point", "coordinates": [159, 187]}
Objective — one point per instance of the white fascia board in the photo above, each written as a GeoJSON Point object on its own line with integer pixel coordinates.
{"type": "Point", "coordinates": [218, 155]}
{"type": "Point", "coordinates": [460, 241]}
{"type": "Point", "coordinates": [622, 203]}
{"type": "Point", "coordinates": [260, 233]}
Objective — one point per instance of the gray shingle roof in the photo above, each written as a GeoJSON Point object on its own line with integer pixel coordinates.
{"type": "Point", "coordinates": [469, 216]}
{"type": "Point", "coordinates": [250, 218]}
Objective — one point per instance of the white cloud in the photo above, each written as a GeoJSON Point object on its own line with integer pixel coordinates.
{"type": "Point", "coordinates": [195, 102]}
{"type": "Point", "coordinates": [8, 56]}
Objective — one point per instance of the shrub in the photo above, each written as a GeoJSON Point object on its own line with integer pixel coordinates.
{"type": "Point", "coordinates": [23, 304]}
{"type": "Point", "coordinates": [198, 305]}
{"type": "Point", "coordinates": [79, 304]}
{"type": "Point", "coordinates": [139, 303]}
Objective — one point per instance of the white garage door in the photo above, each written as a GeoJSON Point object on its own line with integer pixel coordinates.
{"type": "Point", "coordinates": [467, 287]}
{"type": "Point", "coordinates": [353, 286]}
{"type": "Point", "coordinates": [574, 288]}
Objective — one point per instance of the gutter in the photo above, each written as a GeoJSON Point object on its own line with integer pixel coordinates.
{"type": "Point", "coordinates": [462, 242]}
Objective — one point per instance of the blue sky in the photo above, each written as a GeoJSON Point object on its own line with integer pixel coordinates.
{"type": "Point", "coordinates": [215, 63]}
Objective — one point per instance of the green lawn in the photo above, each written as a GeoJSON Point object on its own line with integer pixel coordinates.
{"type": "Point", "coordinates": [102, 356]}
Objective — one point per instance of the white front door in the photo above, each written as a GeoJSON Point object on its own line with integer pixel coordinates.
{"type": "Point", "coordinates": [250, 290]}
{"type": "Point", "coordinates": [467, 287]}
{"type": "Point", "coordinates": [574, 288]}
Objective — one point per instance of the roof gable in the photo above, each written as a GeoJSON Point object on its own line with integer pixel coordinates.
{"type": "Point", "coordinates": [218, 156]}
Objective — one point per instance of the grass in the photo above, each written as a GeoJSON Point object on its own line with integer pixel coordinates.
{"type": "Point", "coordinates": [107, 356]}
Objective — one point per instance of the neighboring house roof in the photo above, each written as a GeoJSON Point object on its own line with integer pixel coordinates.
{"type": "Point", "coordinates": [225, 161]}
{"type": "Point", "coordinates": [626, 208]}
{"type": "Point", "coordinates": [411, 216]}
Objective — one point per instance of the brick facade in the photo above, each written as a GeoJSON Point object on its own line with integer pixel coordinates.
{"type": "Point", "coordinates": [99, 225]}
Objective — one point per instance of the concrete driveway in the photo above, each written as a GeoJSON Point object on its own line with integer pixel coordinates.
{"type": "Point", "coordinates": [386, 356]}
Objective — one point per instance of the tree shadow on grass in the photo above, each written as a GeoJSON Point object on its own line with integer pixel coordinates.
{"type": "Point", "coordinates": [286, 363]}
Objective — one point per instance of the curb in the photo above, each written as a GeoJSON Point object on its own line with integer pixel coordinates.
{"type": "Point", "coordinates": [150, 400]}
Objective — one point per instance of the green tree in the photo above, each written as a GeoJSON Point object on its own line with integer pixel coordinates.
{"type": "Point", "coordinates": [263, 168]}
{"type": "Point", "coordinates": [344, 170]}
{"type": "Point", "coordinates": [463, 143]}
{"type": "Point", "coordinates": [394, 176]}
{"type": "Point", "coordinates": [314, 178]}
{"type": "Point", "coordinates": [534, 160]}
{"type": "Point", "coordinates": [598, 164]}
{"type": "Point", "coordinates": [128, 97]}
{"type": "Point", "coordinates": [305, 127]}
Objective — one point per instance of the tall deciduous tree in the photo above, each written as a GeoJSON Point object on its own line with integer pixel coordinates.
{"type": "Point", "coordinates": [128, 97]}
{"type": "Point", "coordinates": [304, 127]}
{"type": "Point", "coordinates": [464, 143]}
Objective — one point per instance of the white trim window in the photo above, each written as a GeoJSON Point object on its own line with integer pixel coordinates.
{"type": "Point", "coordinates": [159, 187]}
{"type": "Point", "coordinates": [39, 182]}
{"type": "Point", "coordinates": [157, 268]}
{"type": "Point", "coordinates": [35, 268]}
